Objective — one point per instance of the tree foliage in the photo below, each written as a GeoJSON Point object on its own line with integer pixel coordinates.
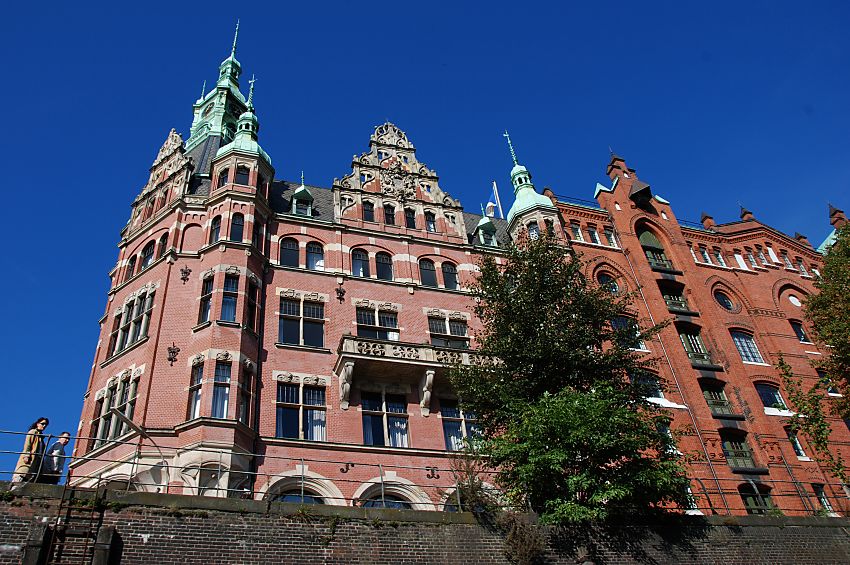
{"type": "Point", "coordinates": [828, 311]}
{"type": "Point", "coordinates": [562, 413]}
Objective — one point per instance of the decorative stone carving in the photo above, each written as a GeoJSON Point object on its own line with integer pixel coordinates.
{"type": "Point", "coordinates": [457, 316]}
{"type": "Point", "coordinates": [208, 273]}
{"type": "Point", "coordinates": [232, 270]}
{"type": "Point", "coordinates": [185, 271]}
{"type": "Point", "coordinates": [435, 313]}
{"type": "Point", "coordinates": [249, 365]}
{"type": "Point", "coordinates": [481, 360]}
{"type": "Point", "coordinates": [369, 348]}
{"type": "Point", "coordinates": [388, 307]}
{"type": "Point", "coordinates": [223, 356]}
{"type": "Point", "coordinates": [312, 296]}
{"type": "Point", "coordinates": [405, 351]}
{"type": "Point", "coordinates": [289, 293]}
{"type": "Point", "coordinates": [426, 386]}
{"type": "Point", "coordinates": [346, 377]}
{"type": "Point", "coordinates": [254, 279]}
{"type": "Point", "coordinates": [137, 372]}
{"type": "Point", "coordinates": [125, 375]}
{"type": "Point", "coordinates": [363, 303]}
{"type": "Point", "coordinates": [448, 357]}
{"type": "Point", "coordinates": [173, 350]}
{"type": "Point", "coordinates": [284, 377]}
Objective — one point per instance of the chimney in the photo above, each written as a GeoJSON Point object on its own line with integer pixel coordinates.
{"type": "Point", "coordinates": [707, 221]}
{"type": "Point", "coordinates": [802, 239]}
{"type": "Point", "coordinates": [837, 217]}
{"type": "Point", "coordinates": [746, 215]}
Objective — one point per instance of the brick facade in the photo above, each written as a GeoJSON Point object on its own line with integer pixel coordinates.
{"type": "Point", "coordinates": [232, 320]}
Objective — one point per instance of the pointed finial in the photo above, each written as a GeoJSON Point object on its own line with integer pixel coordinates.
{"type": "Point", "coordinates": [482, 210]}
{"type": "Point", "coordinates": [235, 37]}
{"type": "Point", "coordinates": [511, 146]}
{"type": "Point", "coordinates": [203, 90]}
{"type": "Point", "coordinates": [611, 151]}
{"type": "Point", "coordinates": [251, 92]}
{"type": "Point", "coordinates": [302, 177]}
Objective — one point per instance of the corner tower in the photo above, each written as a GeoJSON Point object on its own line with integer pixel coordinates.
{"type": "Point", "coordinates": [530, 210]}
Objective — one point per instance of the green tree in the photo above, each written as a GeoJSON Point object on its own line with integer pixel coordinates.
{"type": "Point", "coordinates": [562, 411]}
{"type": "Point", "coordinates": [828, 311]}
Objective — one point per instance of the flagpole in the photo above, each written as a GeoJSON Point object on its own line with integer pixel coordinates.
{"type": "Point", "coordinates": [498, 201]}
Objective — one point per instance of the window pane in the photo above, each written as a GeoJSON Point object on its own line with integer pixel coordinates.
{"type": "Point", "coordinates": [373, 430]}
{"type": "Point", "coordinates": [437, 325]}
{"type": "Point", "coordinates": [314, 310]}
{"type": "Point", "coordinates": [315, 257]}
{"type": "Point", "coordinates": [396, 403]}
{"type": "Point", "coordinates": [747, 347]}
{"type": "Point", "coordinates": [366, 316]}
{"type": "Point", "coordinates": [457, 327]}
{"type": "Point", "coordinates": [410, 218]}
{"type": "Point", "coordinates": [371, 401]}
{"type": "Point", "coordinates": [314, 333]}
{"type": "Point", "coordinates": [314, 425]}
{"type": "Point", "coordinates": [241, 175]}
{"type": "Point", "coordinates": [387, 319]}
{"type": "Point", "coordinates": [427, 273]}
{"type": "Point", "coordinates": [289, 307]}
{"type": "Point", "coordinates": [397, 431]}
{"type": "Point", "coordinates": [231, 283]}
{"type": "Point", "coordinates": [368, 212]}
{"type": "Point", "coordinates": [237, 227]}
{"type": "Point", "coordinates": [287, 422]}
{"type": "Point", "coordinates": [359, 263]}
{"type": "Point", "coordinates": [449, 408]}
{"type": "Point", "coordinates": [288, 331]}
{"type": "Point", "coordinates": [384, 265]}
{"type": "Point", "coordinates": [222, 372]}
{"type": "Point", "coordinates": [221, 394]}
{"type": "Point", "coordinates": [314, 396]}
{"type": "Point", "coordinates": [287, 393]}
{"type": "Point", "coordinates": [228, 309]}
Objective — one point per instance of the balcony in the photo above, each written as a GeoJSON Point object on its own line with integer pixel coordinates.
{"type": "Point", "coordinates": [702, 360]}
{"type": "Point", "coordinates": [678, 305]}
{"type": "Point", "coordinates": [400, 364]}
{"type": "Point", "coordinates": [721, 408]}
{"type": "Point", "coordinates": [741, 461]}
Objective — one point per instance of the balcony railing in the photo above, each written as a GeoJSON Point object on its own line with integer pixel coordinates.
{"type": "Point", "coordinates": [720, 407]}
{"type": "Point", "coordinates": [700, 358]}
{"type": "Point", "coordinates": [408, 352]}
{"type": "Point", "coordinates": [739, 458]}
{"type": "Point", "coordinates": [660, 263]}
{"type": "Point", "coordinates": [676, 303]}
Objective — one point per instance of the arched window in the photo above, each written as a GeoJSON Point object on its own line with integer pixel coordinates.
{"type": "Point", "coordinates": [389, 214]}
{"type": "Point", "coordinates": [237, 227]}
{"type": "Point", "coordinates": [715, 397]}
{"type": "Point", "coordinates": [315, 256]}
{"type": "Point", "coordinates": [410, 218]}
{"type": "Point", "coordinates": [384, 266]}
{"type": "Point", "coordinates": [746, 347]}
{"type": "Point", "coordinates": [427, 272]}
{"type": "Point", "coordinates": [359, 263]}
{"type": "Point", "coordinates": [653, 250]}
{"type": "Point", "coordinates": [756, 498]}
{"type": "Point", "coordinates": [222, 178]}
{"type": "Point", "coordinates": [298, 497]}
{"type": "Point", "coordinates": [163, 245]}
{"type": "Point", "coordinates": [147, 256]}
{"type": "Point", "coordinates": [289, 252]}
{"type": "Point", "coordinates": [368, 212]}
{"type": "Point", "coordinates": [242, 175]}
{"type": "Point", "coordinates": [430, 222]}
{"type": "Point", "coordinates": [800, 331]}
{"type": "Point", "coordinates": [450, 276]}
{"type": "Point", "coordinates": [387, 501]}
{"type": "Point", "coordinates": [131, 268]}
{"type": "Point", "coordinates": [533, 230]}
{"type": "Point", "coordinates": [215, 229]}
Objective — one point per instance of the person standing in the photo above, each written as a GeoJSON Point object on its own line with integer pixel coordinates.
{"type": "Point", "coordinates": [29, 462]}
{"type": "Point", "coordinates": [54, 460]}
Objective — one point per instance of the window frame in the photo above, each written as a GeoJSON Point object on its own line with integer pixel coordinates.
{"type": "Point", "coordinates": [466, 424]}
{"type": "Point", "coordinates": [237, 228]}
{"type": "Point", "coordinates": [305, 318]}
{"type": "Point", "coordinates": [432, 270]}
{"type": "Point", "coordinates": [378, 318]}
{"type": "Point", "coordinates": [747, 348]}
{"type": "Point", "coordinates": [360, 257]}
{"type": "Point", "coordinates": [229, 298]}
{"type": "Point", "coordinates": [303, 407]}
{"type": "Point", "coordinates": [442, 333]}
{"type": "Point", "coordinates": [222, 380]}
{"type": "Point", "coordinates": [367, 210]}
{"type": "Point", "coordinates": [384, 266]}
{"type": "Point", "coordinates": [286, 246]}
{"type": "Point", "coordinates": [315, 256]}
{"type": "Point", "coordinates": [386, 415]}
{"type": "Point", "coordinates": [450, 273]}
{"type": "Point", "coordinates": [205, 306]}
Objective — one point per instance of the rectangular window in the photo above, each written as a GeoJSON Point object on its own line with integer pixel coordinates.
{"type": "Point", "coordinates": [377, 324]}
{"type": "Point", "coordinates": [795, 445]}
{"type": "Point", "coordinates": [631, 332]}
{"type": "Point", "coordinates": [716, 398]}
{"type": "Point", "coordinates": [448, 333]}
{"type": "Point", "coordinates": [820, 493]}
{"type": "Point", "coordinates": [301, 411]}
{"type": "Point", "coordinates": [384, 419]}
{"type": "Point", "coordinates": [751, 258]}
{"type": "Point", "coordinates": [800, 332]}
{"type": "Point", "coordinates": [457, 424]}
{"type": "Point", "coordinates": [694, 347]}
{"type": "Point", "coordinates": [787, 261]}
{"type": "Point", "coordinates": [770, 396]}
{"type": "Point", "coordinates": [295, 329]}
{"type": "Point", "coordinates": [575, 228]}
{"type": "Point", "coordinates": [229, 296]}
{"type": "Point", "coordinates": [737, 452]}
{"type": "Point", "coordinates": [718, 257]}
{"type": "Point", "coordinates": [772, 254]}
{"type": "Point", "coordinates": [760, 254]}
{"type": "Point", "coordinates": [740, 260]}
{"type": "Point", "coordinates": [221, 390]}
{"type": "Point", "coordinates": [592, 235]}
{"type": "Point", "coordinates": [746, 346]}
{"type": "Point", "coordinates": [802, 267]}
{"type": "Point", "coordinates": [252, 311]}
{"type": "Point", "coordinates": [195, 392]}
{"type": "Point", "coordinates": [704, 254]}
{"type": "Point", "coordinates": [131, 325]}
{"type": "Point", "coordinates": [610, 237]}
{"type": "Point", "coordinates": [114, 347]}
{"type": "Point", "coordinates": [757, 502]}
{"type": "Point", "coordinates": [206, 300]}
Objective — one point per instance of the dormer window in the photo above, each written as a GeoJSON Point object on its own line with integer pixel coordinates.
{"type": "Point", "coordinates": [300, 207]}
{"type": "Point", "coordinates": [487, 237]}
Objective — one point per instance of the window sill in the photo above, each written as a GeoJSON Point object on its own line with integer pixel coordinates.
{"type": "Point", "coordinates": [757, 364]}
{"type": "Point", "coordinates": [666, 403]}
{"type": "Point", "coordinates": [779, 412]}
{"type": "Point", "coordinates": [666, 270]}
{"type": "Point", "coordinates": [835, 394]}
{"type": "Point", "coordinates": [750, 470]}
{"type": "Point", "coordinates": [813, 352]}
{"type": "Point", "coordinates": [201, 326]}
{"type": "Point", "coordinates": [124, 351]}
{"type": "Point", "coordinates": [706, 366]}
{"type": "Point", "coordinates": [228, 324]}
{"type": "Point", "coordinates": [679, 312]}
{"type": "Point", "coordinates": [803, 458]}
{"type": "Point", "coordinates": [312, 348]}
{"type": "Point", "coordinates": [739, 417]}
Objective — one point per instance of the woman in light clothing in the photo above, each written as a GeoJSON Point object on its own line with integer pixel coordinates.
{"type": "Point", "coordinates": [30, 460]}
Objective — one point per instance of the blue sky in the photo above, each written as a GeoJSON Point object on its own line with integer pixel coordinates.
{"type": "Point", "coordinates": [713, 104]}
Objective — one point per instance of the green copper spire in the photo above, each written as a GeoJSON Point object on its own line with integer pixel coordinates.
{"type": "Point", "coordinates": [203, 90]}
{"type": "Point", "coordinates": [302, 177]}
{"type": "Point", "coordinates": [510, 146]}
{"type": "Point", "coordinates": [235, 38]}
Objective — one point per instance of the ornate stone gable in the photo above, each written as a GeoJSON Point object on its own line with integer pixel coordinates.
{"type": "Point", "coordinates": [168, 179]}
{"type": "Point", "coordinates": [390, 168]}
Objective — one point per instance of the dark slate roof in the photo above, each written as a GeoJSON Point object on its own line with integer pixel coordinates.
{"type": "Point", "coordinates": [471, 222]}
{"type": "Point", "coordinates": [323, 199]}
{"type": "Point", "coordinates": [203, 154]}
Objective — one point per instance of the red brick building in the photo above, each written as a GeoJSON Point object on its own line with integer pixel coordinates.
{"type": "Point", "coordinates": [280, 339]}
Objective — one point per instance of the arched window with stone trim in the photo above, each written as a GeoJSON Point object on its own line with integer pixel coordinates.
{"type": "Point", "coordinates": [384, 266]}
{"type": "Point", "coordinates": [215, 229]}
{"type": "Point", "coordinates": [289, 252]}
{"type": "Point", "coordinates": [315, 256]}
{"type": "Point", "coordinates": [427, 273]}
{"type": "Point", "coordinates": [223, 178]}
{"type": "Point", "coordinates": [359, 263]}
{"type": "Point", "coordinates": [147, 256]}
{"type": "Point", "coordinates": [653, 249]}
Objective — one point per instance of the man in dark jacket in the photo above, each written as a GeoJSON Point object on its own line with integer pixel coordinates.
{"type": "Point", "coordinates": [54, 460]}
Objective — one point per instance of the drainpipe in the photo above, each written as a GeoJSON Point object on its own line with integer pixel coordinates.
{"type": "Point", "coordinates": [261, 319]}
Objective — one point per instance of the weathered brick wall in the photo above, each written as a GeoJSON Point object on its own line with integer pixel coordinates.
{"type": "Point", "coordinates": [187, 530]}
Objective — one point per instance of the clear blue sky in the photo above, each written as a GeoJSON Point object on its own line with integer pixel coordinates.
{"type": "Point", "coordinates": [712, 104]}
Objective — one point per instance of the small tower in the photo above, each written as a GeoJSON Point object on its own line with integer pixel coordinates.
{"type": "Point", "coordinates": [216, 112]}
{"type": "Point", "coordinates": [530, 210]}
